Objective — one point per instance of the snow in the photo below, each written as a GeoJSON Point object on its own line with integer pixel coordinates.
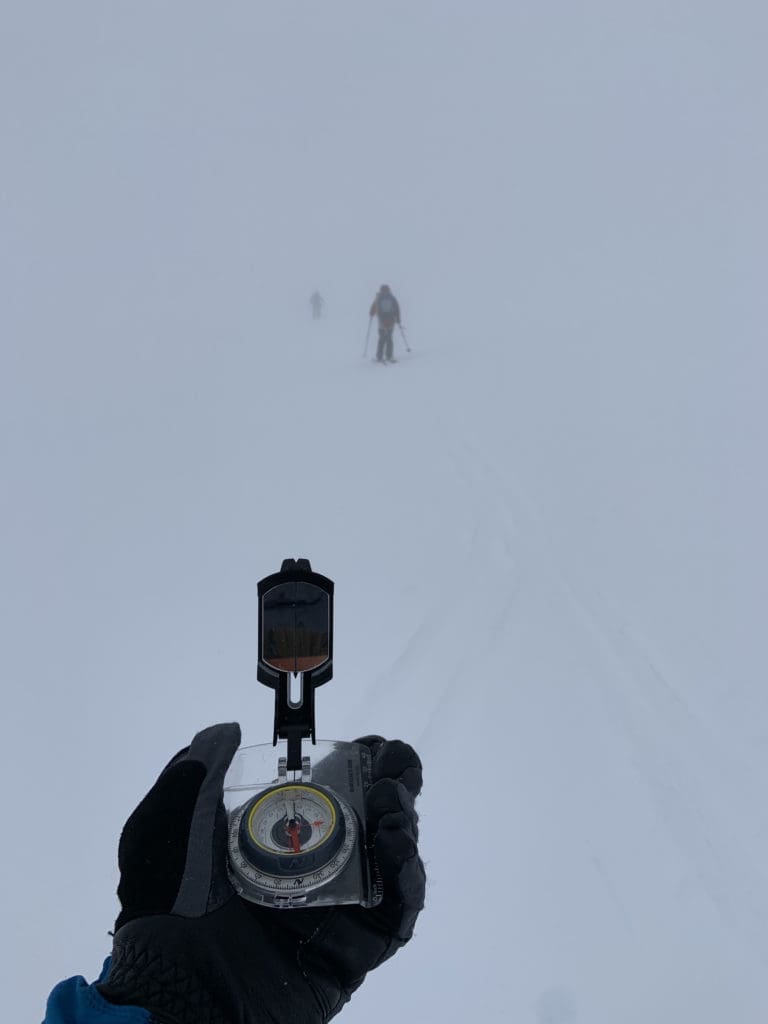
{"type": "Point", "coordinates": [545, 523]}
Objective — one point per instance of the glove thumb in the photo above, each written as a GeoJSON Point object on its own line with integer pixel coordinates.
{"type": "Point", "coordinates": [172, 853]}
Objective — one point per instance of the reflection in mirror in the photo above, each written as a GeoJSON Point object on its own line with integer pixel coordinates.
{"type": "Point", "coordinates": [295, 621]}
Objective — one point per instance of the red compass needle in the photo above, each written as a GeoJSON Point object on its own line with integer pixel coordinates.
{"type": "Point", "coordinates": [292, 828]}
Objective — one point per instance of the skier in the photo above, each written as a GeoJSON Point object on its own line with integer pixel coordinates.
{"type": "Point", "coordinates": [317, 302]}
{"type": "Point", "coordinates": [187, 948]}
{"type": "Point", "coordinates": [386, 307]}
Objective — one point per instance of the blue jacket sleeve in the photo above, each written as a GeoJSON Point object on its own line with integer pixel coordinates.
{"type": "Point", "coordinates": [74, 1001]}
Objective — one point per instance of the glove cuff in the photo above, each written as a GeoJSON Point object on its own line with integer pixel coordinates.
{"type": "Point", "coordinates": [166, 985]}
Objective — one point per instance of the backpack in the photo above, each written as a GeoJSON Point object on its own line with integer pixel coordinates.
{"type": "Point", "coordinates": [386, 306]}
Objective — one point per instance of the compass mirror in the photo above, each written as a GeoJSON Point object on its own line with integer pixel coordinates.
{"type": "Point", "coordinates": [295, 623]}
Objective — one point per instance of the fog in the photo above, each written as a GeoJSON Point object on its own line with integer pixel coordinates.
{"type": "Point", "coordinates": [545, 522]}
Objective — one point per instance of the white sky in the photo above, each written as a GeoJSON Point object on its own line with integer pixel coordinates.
{"type": "Point", "coordinates": [546, 525]}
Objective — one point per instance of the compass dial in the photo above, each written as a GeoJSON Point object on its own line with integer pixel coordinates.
{"type": "Point", "coordinates": [289, 840]}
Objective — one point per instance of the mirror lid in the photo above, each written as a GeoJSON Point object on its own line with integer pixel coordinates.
{"type": "Point", "coordinates": [295, 571]}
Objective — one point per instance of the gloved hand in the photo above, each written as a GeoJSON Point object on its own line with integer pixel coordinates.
{"type": "Point", "coordinates": [191, 951]}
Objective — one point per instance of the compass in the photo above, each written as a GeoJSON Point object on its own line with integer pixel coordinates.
{"type": "Point", "coordinates": [289, 840]}
{"type": "Point", "coordinates": [297, 837]}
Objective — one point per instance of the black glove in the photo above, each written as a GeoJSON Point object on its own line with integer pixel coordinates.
{"type": "Point", "coordinates": [191, 951]}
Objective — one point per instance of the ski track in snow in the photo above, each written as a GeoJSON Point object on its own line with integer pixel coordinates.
{"type": "Point", "coordinates": [679, 760]}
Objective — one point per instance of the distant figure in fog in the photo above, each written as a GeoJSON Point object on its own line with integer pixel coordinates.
{"type": "Point", "coordinates": [386, 307]}
{"type": "Point", "coordinates": [317, 302]}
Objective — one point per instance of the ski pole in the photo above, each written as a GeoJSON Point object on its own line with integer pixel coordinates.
{"type": "Point", "coordinates": [405, 340]}
{"type": "Point", "coordinates": [367, 336]}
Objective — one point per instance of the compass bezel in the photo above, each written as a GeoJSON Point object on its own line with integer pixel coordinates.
{"type": "Point", "coordinates": [277, 874]}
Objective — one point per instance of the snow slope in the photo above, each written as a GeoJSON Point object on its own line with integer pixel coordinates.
{"type": "Point", "coordinates": [545, 523]}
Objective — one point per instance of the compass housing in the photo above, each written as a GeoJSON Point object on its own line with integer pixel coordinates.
{"type": "Point", "coordinates": [290, 840]}
{"type": "Point", "coordinates": [299, 839]}
{"type": "Point", "coordinates": [291, 828]}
